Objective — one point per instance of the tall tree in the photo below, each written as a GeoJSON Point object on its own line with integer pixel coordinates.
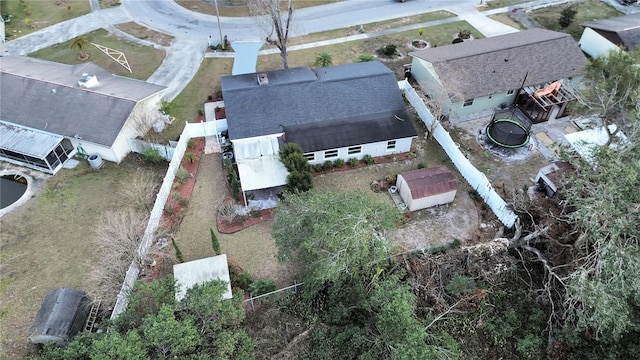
{"type": "Point", "coordinates": [271, 17]}
{"type": "Point", "coordinates": [335, 234]}
{"type": "Point", "coordinates": [611, 90]}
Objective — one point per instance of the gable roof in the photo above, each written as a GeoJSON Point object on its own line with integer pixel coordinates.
{"type": "Point", "coordinates": [627, 29]}
{"type": "Point", "coordinates": [497, 64]}
{"type": "Point", "coordinates": [361, 98]}
{"type": "Point", "coordinates": [45, 95]}
{"type": "Point", "coordinates": [430, 181]}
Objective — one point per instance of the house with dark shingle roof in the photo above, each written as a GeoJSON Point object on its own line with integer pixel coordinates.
{"type": "Point", "coordinates": [600, 37]}
{"type": "Point", "coordinates": [480, 75]}
{"type": "Point", "coordinates": [337, 112]}
{"type": "Point", "coordinates": [79, 107]}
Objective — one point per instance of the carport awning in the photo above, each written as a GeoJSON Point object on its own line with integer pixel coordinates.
{"type": "Point", "coordinates": [27, 141]}
{"type": "Point", "coordinates": [246, 56]}
{"type": "Point", "coordinates": [261, 173]}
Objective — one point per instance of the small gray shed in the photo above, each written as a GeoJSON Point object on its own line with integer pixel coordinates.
{"type": "Point", "coordinates": [62, 315]}
{"type": "Point", "coordinates": [423, 188]}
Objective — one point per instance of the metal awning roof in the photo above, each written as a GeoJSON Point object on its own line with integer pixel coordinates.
{"type": "Point", "coordinates": [198, 272]}
{"type": "Point", "coordinates": [261, 173]}
{"type": "Point", "coordinates": [27, 141]}
{"type": "Point", "coordinates": [246, 56]}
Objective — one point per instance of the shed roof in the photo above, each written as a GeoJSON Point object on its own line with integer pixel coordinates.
{"type": "Point", "coordinates": [198, 272]}
{"type": "Point", "coordinates": [45, 95]}
{"type": "Point", "coordinates": [626, 27]}
{"type": "Point", "coordinates": [299, 99]}
{"type": "Point", "coordinates": [27, 141]}
{"type": "Point", "coordinates": [430, 181]}
{"type": "Point", "coordinates": [62, 315]}
{"type": "Point", "coordinates": [500, 63]}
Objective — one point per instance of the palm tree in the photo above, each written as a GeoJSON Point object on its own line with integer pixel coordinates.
{"type": "Point", "coordinates": [80, 43]}
{"type": "Point", "coordinates": [323, 60]}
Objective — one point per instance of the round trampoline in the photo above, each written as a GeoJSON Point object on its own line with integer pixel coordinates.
{"type": "Point", "coordinates": [509, 133]}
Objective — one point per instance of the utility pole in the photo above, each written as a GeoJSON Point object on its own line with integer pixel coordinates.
{"type": "Point", "coordinates": [219, 27]}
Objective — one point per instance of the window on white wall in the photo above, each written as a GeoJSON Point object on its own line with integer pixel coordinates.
{"type": "Point", "coordinates": [330, 154]}
{"type": "Point", "coordinates": [310, 156]}
{"type": "Point", "coordinates": [468, 102]}
{"type": "Point", "coordinates": [510, 92]}
{"type": "Point", "coordinates": [391, 145]}
{"type": "Point", "coordinates": [354, 150]}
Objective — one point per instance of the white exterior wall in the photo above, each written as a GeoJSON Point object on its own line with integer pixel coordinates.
{"type": "Point", "coordinates": [106, 153]}
{"type": "Point", "coordinates": [373, 149]}
{"type": "Point", "coordinates": [595, 44]}
{"type": "Point", "coordinates": [425, 202]}
{"type": "Point", "coordinates": [429, 201]}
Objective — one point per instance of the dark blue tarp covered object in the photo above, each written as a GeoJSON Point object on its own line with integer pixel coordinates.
{"type": "Point", "coordinates": [62, 315]}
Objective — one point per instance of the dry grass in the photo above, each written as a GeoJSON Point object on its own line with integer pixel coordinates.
{"type": "Point", "coordinates": [508, 20]}
{"type": "Point", "coordinates": [208, 7]}
{"type": "Point", "coordinates": [40, 13]}
{"type": "Point", "coordinates": [495, 4]}
{"type": "Point", "coordinates": [47, 243]}
{"type": "Point", "coordinates": [143, 60]}
{"type": "Point", "coordinates": [144, 33]}
{"type": "Point", "coordinates": [588, 10]}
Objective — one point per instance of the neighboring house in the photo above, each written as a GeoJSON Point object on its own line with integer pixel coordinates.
{"type": "Point", "coordinates": [338, 112]}
{"type": "Point", "coordinates": [481, 75]}
{"type": "Point", "coordinates": [600, 37]}
{"type": "Point", "coordinates": [424, 188]}
{"type": "Point", "coordinates": [50, 111]}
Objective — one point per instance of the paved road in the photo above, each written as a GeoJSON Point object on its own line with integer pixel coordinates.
{"type": "Point", "coordinates": [191, 30]}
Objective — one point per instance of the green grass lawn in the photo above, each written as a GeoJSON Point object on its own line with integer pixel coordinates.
{"type": "Point", "coordinates": [588, 10]}
{"type": "Point", "coordinates": [143, 60]}
{"type": "Point", "coordinates": [23, 17]}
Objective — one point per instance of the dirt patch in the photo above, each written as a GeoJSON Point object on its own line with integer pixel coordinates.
{"type": "Point", "coordinates": [144, 33]}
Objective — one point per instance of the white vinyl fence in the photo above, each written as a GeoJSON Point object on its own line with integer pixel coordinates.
{"type": "Point", "coordinates": [190, 130]}
{"type": "Point", "coordinates": [476, 178]}
{"type": "Point", "coordinates": [140, 146]}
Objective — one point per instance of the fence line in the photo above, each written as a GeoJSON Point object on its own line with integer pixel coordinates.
{"type": "Point", "coordinates": [140, 146]}
{"type": "Point", "coordinates": [155, 216]}
{"type": "Point", "coordinates": [275, 292]}
{"type": "Point", "coordinates": [474, 177]}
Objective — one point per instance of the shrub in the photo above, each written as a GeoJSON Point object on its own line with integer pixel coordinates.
{"type": "Point", "coordinates": [567, 16]}
{"type": "Point", "coordinates": [299, 181]}
{"type": "Point", "coordinates": [457, 40]}
{"type": "Point", "coordinates": [169, 209]}
{"type": "Point", "coordinates": [388, 50]}
{"type": "Point", "coordinates": [152, 155]}
{"type": "Point", "coordinates": [422, 165]}
{"type": "Point", "coordinates": [242, 280]}
{"type": "Point", "coordinates": [215, 244]}
{"type": "Point", "coordinates": [464, 34]}
{"type": "Point", "coordinates": [353, 162]}
{"type": "Point", "coordinates": [262, 286]}
{"type": "Point", "coordinates": [228, 212]}
{"type": "Point", "coordinates": [179, 255]}
{"type": "Point", "coordinates": [190, 156]}
{"type": "Point", "coordinates": [316, 168]}
{"type": "Point", "coordinates": [191, 143]}
{"type": "Point", "coordinates": [327, 165]}
{"type": "Point", "coordinates": [180, 199]}
{"type": "Point", "coordinates": [338, 163]}
{"type": "Point", "coordinates": [323, 60]}
{"type": "Point", "coordinates": [182, 175]}
{"type": "Point", "coordinates": [365, 58]}
{"type": "Point", "coordinates": [368, 159]}
{"type": "Point", "coordinates": [166, 107]}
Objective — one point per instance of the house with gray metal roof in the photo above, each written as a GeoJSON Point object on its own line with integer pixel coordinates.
{"type": "Point", "coordinates": [337, 112]}
{"type": "Point", "coordinates": [600, 37]}
{"type": "Point", "coordinates": [475, 77]}
{"type": "Point", "coordinates": [83, 106]}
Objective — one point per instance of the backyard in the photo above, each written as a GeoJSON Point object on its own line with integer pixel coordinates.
{"type": "Point", "coordinates": [47, 242]}
{"type": "Point", "coordinates": [587, 10]}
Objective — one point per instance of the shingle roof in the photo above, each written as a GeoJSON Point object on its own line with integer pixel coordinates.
{"type": "Point", "coordinates": [626, 27]}
{"type": "Point", "coordinates": [430, 181]}
{"type": "Point", "coordinates": [361, 99]}
{"type": "Point", "coordinates": [45, 95]}
{"type": "Point", "coordinates": [492, 65]}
